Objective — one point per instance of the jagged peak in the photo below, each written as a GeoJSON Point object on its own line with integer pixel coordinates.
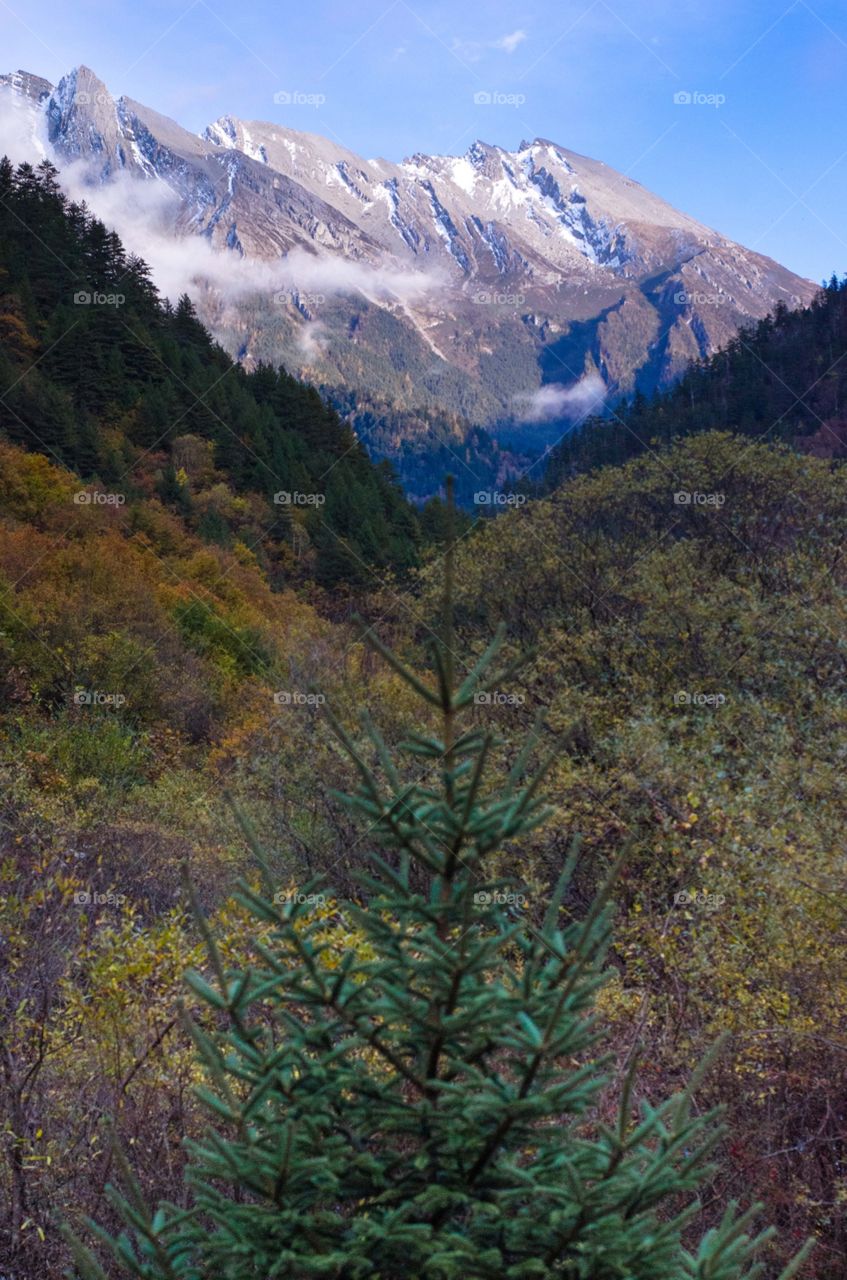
{"type": "Point", "coordinates": [223, 132]}
{"type": "Point", "coordinates": [27, 84]}
{"type": "Point", "coordinates": [479, 146]}
{"type": "Point", "coordinates": [539, 146]}
{"type": "Point", "coordinates": [21, 75]}
{"type": "Point", "coordinates": [81, 87]}
{"type": "Point", "coordinates": [82, 75]}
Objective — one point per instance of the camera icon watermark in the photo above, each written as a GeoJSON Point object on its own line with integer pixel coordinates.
{"type": "Point", "coordinates": [500, 898]}
{"type": "Point", "coordinates": [494, 698]}
{"type": "Point", "coordinates": [300, 899]}
{"type": "Point", "coordinates": [85, 898]}
{"type": "Point", "coordinates": [83, 98]}
{"type": "Point", "coordinates": [84, 298]}
{"type": "Point", "coordinates": [694, 98]}
{"type": "Point", "coordinates": [496, 98]}
{"type": "Point", "coordinates": [699, 898]}
{"type": "Point", "coordinates": [96, 698]}
{"type": "Point", "coordinates": [693, 498]}
{"type": "Point", "coordinates": [487, 298]}
{"type": "Point", "coordinates": [494, 498]}
{"type": "Point", "coordinates": [286, 499]}
{"type": "Point", "coordinates": [685, 699]}
{"type": "Point", "coordinates": [298, 98]}
{"type": "Point", "coordinates": [289, 698]}
{"type": "Point", "coordinates": [96, 498]}
{"type": "Point", "coordinates": [683, 298]}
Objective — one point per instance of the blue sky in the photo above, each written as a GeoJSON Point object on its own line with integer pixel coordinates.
{"type": "Point", "coordinates": [760, 152]}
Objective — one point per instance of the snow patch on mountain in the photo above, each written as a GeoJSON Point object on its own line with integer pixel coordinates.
{"type": "Point", "coordinates": [464, 174]}
{"type": "Point", "coordinates": [559, 247]}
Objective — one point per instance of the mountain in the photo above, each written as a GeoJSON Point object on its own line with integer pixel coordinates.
{"type": "Point", "coordinates": [781, 380]}
{"type": "Point", "coordinates": [515, 289]}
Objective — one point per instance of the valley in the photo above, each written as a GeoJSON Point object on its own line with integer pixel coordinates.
{"type": "Point", "coordinates": [515, 292]}
{"type": "Point", "coordinates": [423, 713]}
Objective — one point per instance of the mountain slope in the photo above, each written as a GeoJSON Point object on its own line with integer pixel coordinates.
{"type": "Point", "coordinates": [783, 379]}
{"type": "Point", "coordinates": [98, 374]}
{"type": "Point", "coordinates": [514, 288]}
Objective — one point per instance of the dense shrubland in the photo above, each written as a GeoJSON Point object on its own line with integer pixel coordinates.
{"type": "Point", "coordinates": [733, 795]}
{"type": "Point", "coordinates": [691, 672]}
{"type": "Point", "coordinates": [412, 1087]}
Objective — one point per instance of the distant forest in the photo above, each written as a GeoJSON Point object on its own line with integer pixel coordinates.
{"type": "Point", "coordinates": [783, 380]}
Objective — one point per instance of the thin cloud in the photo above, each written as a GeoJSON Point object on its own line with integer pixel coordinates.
{"type": "Point", "coordinates": [474, 50]}
{"type": "Point", "coordinates": [510, 43]}
{"type": "Point", "coordinates": [311, 340]}
{"type": "Point", "coordinates": [22, 133]}
{"type": "Point", "coordinates": [145, 213]}
{"type": "Point", "coordinates": [555, 400]}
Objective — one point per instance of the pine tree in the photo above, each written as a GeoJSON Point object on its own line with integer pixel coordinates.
{"type": "Point", "coordinates": [424, 1109]}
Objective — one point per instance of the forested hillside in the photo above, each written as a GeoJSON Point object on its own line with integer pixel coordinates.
{"type": "Point", "coordinates": [785, 379]}
{"type": "Point", "coordinates": [427, 444]}
{"type": "Point", "coordinates": [100, 375]}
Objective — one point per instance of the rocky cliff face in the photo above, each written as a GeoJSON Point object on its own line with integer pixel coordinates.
{"type": "Point", "coordinates": [516, 288]}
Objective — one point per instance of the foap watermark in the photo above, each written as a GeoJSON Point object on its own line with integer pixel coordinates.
{"type": "Point", "coordinates": [699, 898]}
{"type": "Point", "coordinates": [497, 98]}
{"type": "Point", "coordinates": [500, 898]}
{"type": "Point", "coordinates": [495, 498]}
{"type": "Point", "coordinates": [495, 698]}
{"type": "Point", "coordinates": [294, 698]}
{"type": "Point", "coordinates": [683, 298]}
{"type": "Point", "coordinates": [693, 498]}
{"type": "Point", "coordinates": [86, 298]}
{"type": "Point", "coordinates": [685, 699]}
{"type": "Point", "coordinates": [298, 98]}
{"type": "Point", "coordinates": [696, 98]}
{"type": "Point", "coordinates": [488, 298]}
{"type": "Point", "coordinates": [97, 698]}
{"type": "Point", "coordinates": [84, 99]}
{"type": "Point", "coordinates": [296, 899]}
{"type": "Point", "coordinates": [97, 498]}
{"type": "Point", "coordinates": [286, 499]}
{"type": "Point", "coordinates": [86, 898]}
{"type": "Point", "coordinates": [283, 298]}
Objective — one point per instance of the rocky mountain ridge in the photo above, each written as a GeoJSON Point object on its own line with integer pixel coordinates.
{"type": "Point", "coordinates": [518, 289]}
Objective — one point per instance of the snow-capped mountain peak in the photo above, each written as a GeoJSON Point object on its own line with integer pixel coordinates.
{"type": "Point", "coordinates": [538, 261]}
